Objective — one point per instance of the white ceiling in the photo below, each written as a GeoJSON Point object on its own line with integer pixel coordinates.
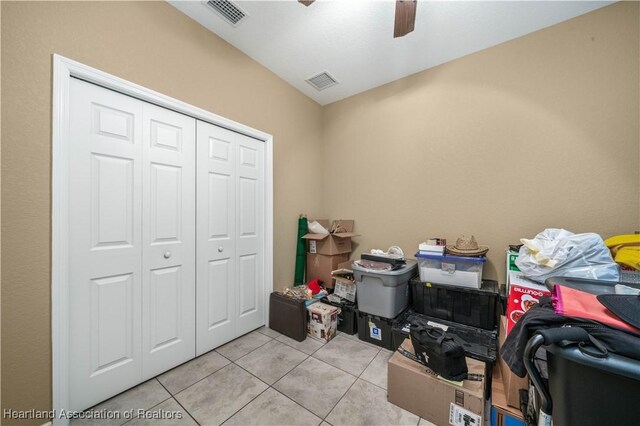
{"type": "Point", "coordinates": [353, 39]}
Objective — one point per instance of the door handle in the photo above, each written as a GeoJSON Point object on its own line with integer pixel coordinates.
{"type": "Point", "coordinates": [220, 249]}
{"type": "Point", "coordinates": [167, 254]}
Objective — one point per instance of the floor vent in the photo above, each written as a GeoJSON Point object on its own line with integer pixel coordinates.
{"type": "Point", "coordinates": [228, 11]}
{"type": "Point", "coordinates": [322, 81]}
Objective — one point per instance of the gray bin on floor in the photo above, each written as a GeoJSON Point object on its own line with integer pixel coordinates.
{"type": "Point", "coordinates": [383, 293]}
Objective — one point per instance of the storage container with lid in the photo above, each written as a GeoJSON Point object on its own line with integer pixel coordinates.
{"type": "Point", "coordinates": [451, 270]}
{"type": "Point", "coordinates": [383, 293]}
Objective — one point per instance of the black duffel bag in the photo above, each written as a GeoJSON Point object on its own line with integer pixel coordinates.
{"type": "Point", "coordinates": [439, 351]}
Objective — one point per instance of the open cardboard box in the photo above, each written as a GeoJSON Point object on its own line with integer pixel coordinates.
{"type": "Point", "coordinates": [332, 244]}
{"type": "Point", "coordinates": [320, 266]}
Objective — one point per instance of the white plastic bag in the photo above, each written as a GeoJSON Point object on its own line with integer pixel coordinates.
{"type": "Point", "coordinates": [316, 228]}
{"type": "Point", "coordinates": [560, 253]}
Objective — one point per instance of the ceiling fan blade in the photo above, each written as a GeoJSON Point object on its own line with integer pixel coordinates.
{"type": "Point", "coordinates": [405, 17]}
{"type": "Point", "coordinates": [306, 2]}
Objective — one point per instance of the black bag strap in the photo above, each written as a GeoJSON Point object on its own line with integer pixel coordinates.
{"type": "Point", "coordinates": [436, 333]}
{"type": "Point", "coordinates": [587, 344]}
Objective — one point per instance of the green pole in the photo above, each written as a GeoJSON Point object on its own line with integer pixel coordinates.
{"type": "Point", "coordinates": [301, 250]}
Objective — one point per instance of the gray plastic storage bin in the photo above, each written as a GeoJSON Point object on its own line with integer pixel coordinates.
{"type": "Point", "coordinates": [383, 293]}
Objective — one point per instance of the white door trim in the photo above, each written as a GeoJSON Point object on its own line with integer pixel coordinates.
{"type": "Point", "coordinates": [63, 70]}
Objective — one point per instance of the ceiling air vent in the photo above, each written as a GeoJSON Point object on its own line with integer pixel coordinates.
{"type": "Point", "coordinates": [228, 11]}
{"type": "Point", "coordinates": [322, 81]}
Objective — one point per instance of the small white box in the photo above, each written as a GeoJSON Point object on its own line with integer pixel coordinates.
{"type": "Point", "coordinates": [451, 270]}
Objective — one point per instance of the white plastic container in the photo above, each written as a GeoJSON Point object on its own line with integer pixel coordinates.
{"type": "Point", "coordinates": [383, 293]}
{"type": "Point", "coordinates": [451, 270]}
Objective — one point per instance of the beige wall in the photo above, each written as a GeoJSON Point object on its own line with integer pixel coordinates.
{"type": "Point", "coordinates": [541, 131]}
{"type": "Point", "coordinates": [538, 132]}
{"type": "Point", "coordinates": [154, 45]}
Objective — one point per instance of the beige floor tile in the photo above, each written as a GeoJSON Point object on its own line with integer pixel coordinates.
{"type": "Point", "coordinates": [271, 361]}
{"type": "Point", "coordinates": [143, 396]}
{"type": "Point", "coordinates": [355, 338]}
{"type": "Point", "coordinates": [168, 413]}
{"type": "Point", "coordinates": [424, 422]}
{"type": "Point", "coordinates": [243, 345]}
{"type": "Point", "coordinates": [315, 385]}
{"type": "Point", "coordinates": [188, 373]}
{"type": "Point", "coordinates": [217, 397]}
{"type": "Point", "coordinates": [376, 372]}
{"type": "Point", "coordinates": [269, 332]}
{"type": "Point", "coordinates": [366, 404]}
{"type": "Point", "coordinates": [273, 408]}
{"type": "Point", "coordinates": [346, 354]}
{"type": "Point", "coordinates": [308, 345]}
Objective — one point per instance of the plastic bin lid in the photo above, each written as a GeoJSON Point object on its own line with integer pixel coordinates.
{"type": "Point", "coordinates": [450, 257]}
{"type": "Point", "coordinates": [410, 264]}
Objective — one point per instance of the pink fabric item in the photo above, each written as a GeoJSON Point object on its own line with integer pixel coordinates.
{"type": "Point", "coordinates": [575, 303]}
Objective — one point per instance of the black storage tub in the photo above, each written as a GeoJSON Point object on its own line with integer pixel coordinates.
{"type": "Point", "coordinates": [347, 321]}
{"type": "Point", "coordinates": [468, 306]}
{"type": "Point", "coordinates": [480, 344]}
{"type": "Point", "coordinates": [375, 329]}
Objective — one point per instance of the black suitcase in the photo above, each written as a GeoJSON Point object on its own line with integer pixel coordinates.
{"type": "Point", "coordinates": [288, 316]}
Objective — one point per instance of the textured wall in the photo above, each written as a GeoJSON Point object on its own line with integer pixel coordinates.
{"type": "Point", "coordinates": [156, 46]}
{"type": "Point", "coordinates": [538, 132]}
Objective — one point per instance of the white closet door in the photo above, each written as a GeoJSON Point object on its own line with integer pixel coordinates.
{"type": "Point", "coordinates": [230, 229]}
{"type": "Point", "coordinates": [217, 298]}
{"type": "Point", "coordinates": [105, 247]}
{"type": "Point", "coordinates": [132, 242]}
{"type": "Point", "coordinates": [250, 246]}
{"type": "Point", "coordinates": [168, 260]}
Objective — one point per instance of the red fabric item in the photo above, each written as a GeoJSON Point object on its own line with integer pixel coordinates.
{"type": "Point", "coordinates": [575, 303]}
{"type": "Point", "coordinates": [314, 286]}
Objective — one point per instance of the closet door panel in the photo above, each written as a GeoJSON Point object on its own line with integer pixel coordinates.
{"type": "Point", "coordinates": [250, 211]}
{"type": "Point", "coordinates": [168, 284]}
{"type": "Point", "coordinates": [105, 196]}
{"type": "Point", "coordinates": [216, 304]}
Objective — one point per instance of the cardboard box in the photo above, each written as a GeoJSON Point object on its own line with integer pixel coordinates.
{"type": "Point", "coordinates": [523, 294]}
{"type": "Point", "coordinates": [416, 389]}
{"type": "Point", "coordinates": [320, 266]}
{"type": "Point", "coordinates": [511, 384]}
{"type": "Point", "coordinates": [322, 322]}
{"type": "Point", "coordinates": [501, 413]}
{"type": "Point", "coordinates": [330, 244]}
{"type": "Point", "coordinates": [511, 265]}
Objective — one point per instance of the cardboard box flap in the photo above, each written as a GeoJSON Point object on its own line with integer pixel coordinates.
{"type": "Point", "coordinates": [343, 225]}
{"type": "Point", "coordinates": [315, 236]}
{"type": "Point", "coordinates": [311, 236]}
{"type": "Point", "coordinates": [345, 234]}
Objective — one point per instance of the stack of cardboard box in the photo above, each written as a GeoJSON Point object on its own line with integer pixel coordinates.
{"type": "Point", "coordinates": [325, 252]}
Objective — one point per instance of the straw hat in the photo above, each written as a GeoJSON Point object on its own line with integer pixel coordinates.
{"type": "Point", "coordinates": [466, 246]}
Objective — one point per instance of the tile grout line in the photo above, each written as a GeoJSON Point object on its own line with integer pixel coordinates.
{"type": "Point", "coordinates": [241, 408]}
{"type": "Point", "coordinates": [148, 409]}
{"type": "Point", "coordinates": [201, 379]}
{"type": "Point", "coordinates": [270, 339]}
{"type": "Point", "coordinates": [354, 382]}
{"type": "Point", "coordinates": [345, 371]}
{"type": "Point", "coordinates": [178, 402]}
{"type": "Point", "coordinates": [294, 401]}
